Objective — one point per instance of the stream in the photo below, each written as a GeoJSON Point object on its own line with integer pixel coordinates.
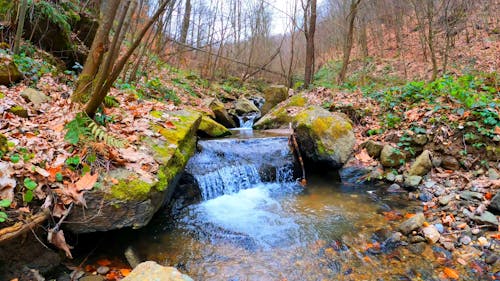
{"type": "Point", "coordinates": [255, 222]}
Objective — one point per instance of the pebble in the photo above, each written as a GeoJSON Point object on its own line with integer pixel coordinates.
{"type": "Point", "coordinates": [431, 234]}
{"type": "Point", "coordinates": [491, 259]}
{"type": "Point", "coordinates": [430, 184]}
{"type": "Point", "coordinates": [482, 241]}
{"type": "Point", "coordinates": [444, 200]}
{"type": "Point", "coordinates": [412, 223]}
{"type": "Point", "coordinates": [493, 174]}
{"type": "Point", "coordinates": [469, 195]}
{"type": "Point", "coordinates": [439, 227]}
{"type": "Point", "coordinates": [475, 231]}
{"type": "Point", "coordinates": [395, 188]}
{"type": "Point", "coordinates": [425, 196]}
{"type": "Point", "coordinates": [103, 270]}
{"type": "Point", "coordinates": [465, 240]}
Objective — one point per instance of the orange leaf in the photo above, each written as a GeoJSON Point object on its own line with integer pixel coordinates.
{"type": "Point", "coordinates": [57, 238]}
{"type": "Point", "coordinates": [170, 125]}
{"type": "Point", "coordinates": [86, 182]}
{"type": "Point", "coordinates": [451, 273]}
{"type": "Point", "coordinates": [104, 262]}
{"type": "Point", "coordinates": [495, 236]}
{"type": "Point", "coordinates": [363, 156]}
{"type": "Point", "coordinates": [125, 272]}
{"type": "Point", "coordinates": [497, 130]}
{"type": "Point", "coordinates": [112, 275]}
{"type": "Point", "coordinates": [408, 216]}
{"type": "Point", "coordinates": [488, 195]}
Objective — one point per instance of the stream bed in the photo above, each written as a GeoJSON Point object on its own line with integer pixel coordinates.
{"type": "Point", "coordinates": [255, 222]}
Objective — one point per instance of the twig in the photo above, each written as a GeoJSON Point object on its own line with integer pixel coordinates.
{"type": "Point", "coordinates": [18, 229]}
{"type": "Point", "coordinates": [58, 225]}
{"type": "Point", "coordinates": [295, 147]}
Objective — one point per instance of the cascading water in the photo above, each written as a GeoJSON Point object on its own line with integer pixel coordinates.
{"type": "Point", "coordinates": [246, 121]}
{"type": "Point", "coordinates": [229, 165]}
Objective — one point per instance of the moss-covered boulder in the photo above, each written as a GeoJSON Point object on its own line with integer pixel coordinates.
{"type": "Point", "coordinates": [126, 198]}
{"type": "Point", "coordinates": [221, 114]}
{"type": "Point", "coordinates": [19, 111]}
{"type": "Point", "coordinates": [244, 106]}
{"type": "Point", "coordinates": [9, 73]}
{"type": "Point", "coordinates": [36, 97]}
{"type": "Point", "coordinates": [391, 156]}
{"type": "Point", "coordinates": [323, 136]}
{"type": "Point", "coordinates": [282, 115]}
{"type": "Point", "coordinates": [210, 128]}
{"type": "Point", "coordinates": [273, 95]}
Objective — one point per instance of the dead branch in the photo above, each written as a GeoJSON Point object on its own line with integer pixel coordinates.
{"type": "Point", "coordinates": [9, 233]}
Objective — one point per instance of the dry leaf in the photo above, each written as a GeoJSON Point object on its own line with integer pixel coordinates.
{"type": "Point", "coordinates": [363, 156]}
{"type": "Point", "coordinates": [451, 273]}
{"type": "Point", "coordinates": [57, 238]}
{"type": "Point", "coordinates": [86, 182]}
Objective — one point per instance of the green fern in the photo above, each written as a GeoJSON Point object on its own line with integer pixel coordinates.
{"type": "Point", "coordinates": [110, 101]}
{"type": "Point", "coordinates": [83, 127]}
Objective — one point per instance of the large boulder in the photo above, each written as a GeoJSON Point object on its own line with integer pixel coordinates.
{"type": "Point", "coordinates": [391, 157]}
{"type": "Point", "coordinates": [282, 115]}
{"type": "Point", "coordinates": [211, 128]}
{"type": "Point", "coordinates": [273, 95]}
{"type": "Point", "coordinates": [9, 73]}
{"type": "Point", "coordinates": [150, 270]}
{"type": "Point", "coordinates": [244, 107]}
{"type": "Point", "coordinates": [324, 136]}
{"type": "Point", "coordinates": [36, 97]}
{"type": "Point", "coordinates": [422, 164]}
{"type": "Point", "coordinates": [125, 198]}
{"type": "Point", "coordinates": [221, 114]}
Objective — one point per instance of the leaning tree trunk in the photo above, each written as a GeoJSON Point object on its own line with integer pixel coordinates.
{"type": "Point", "coordinates": [311, 30]}
{"type": "Point", "coordinates": [94, 58]}
{"type": "Point", "coordinates": [348, 40]}
{"type": "Point", "coordinates": [23, 6]}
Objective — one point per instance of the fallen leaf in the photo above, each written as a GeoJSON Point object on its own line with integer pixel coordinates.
{"type": "Point", "coordinates": [103, 262]}
{"type": "Point", "coordinates": [57, 238]}
{"type": "Point", "coordinates": [363, 156]}
{"type": "Point", "coordinates": [170, 125]}
{"type": "Point", "coordinates": [86, 182]}
{"type": "Point", "coordinates": [497, 130]}
{"type": "Point", "coordinates": [112, 275]}
{"type": "Point", "coordinates": [125, 272]}
{"type": "Point", "coordinates": [451, 273]}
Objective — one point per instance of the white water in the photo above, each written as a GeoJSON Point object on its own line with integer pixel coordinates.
{"type": "Point", "coordinates": [247, 121]}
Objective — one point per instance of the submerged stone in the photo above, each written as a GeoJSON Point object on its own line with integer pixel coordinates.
{"type": "Point", "coordinates": [412, 223]}
{"type": "Point", "coordinates": [150, 270]}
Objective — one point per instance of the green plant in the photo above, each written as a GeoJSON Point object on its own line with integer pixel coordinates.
{"type": "Point", "coordinates": [30, 186]}
{"type": "Point", "coordinates": [73, 162]}
{"type": "Point", "coordinates": [4, 203]}
{"type": "Point", "coordinates": [83, 127]}
{"type": "Point", "coordinates": [391, 120]}
{"type": "Point", "coordinates": [32, 68]}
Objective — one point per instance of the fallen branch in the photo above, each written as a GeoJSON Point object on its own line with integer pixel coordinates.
{"type": "Point", "coordinates": [295, 147]}
{"type": "Point", "coordinates": [9, 233]}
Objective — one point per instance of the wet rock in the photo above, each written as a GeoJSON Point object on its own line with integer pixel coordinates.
{"type": "Point", "coordinates": [221, 114]}
{"type": "Point", "coordinates": [273, 95]}
{"type": "Point", "coordinates": [412, 181]}
{"type": "Point", "coordinates": [436, 161]}
{"type": "Point", "coordinates": [444, 200]}
{"type": "Point", "coordinates": [373, 148]}
{"type": "Point", "coordinates": [92, 278]}
{"type": "Point", "coordinates": [422, 164]}
{"type": "Point", "coordinates": [425, 196]}
{"type": "Point", "coordinates": [491, 259]}
{"type": "Point", "coordinates": [475, 231]}
{"type": "Point", "coordinates": [36, 97]}
{"type": "Point", "coordinates": [493, 174]}
{"type": "Point", "coordinates": [495, 202]}
{"type": "Point", "coordinates": [211, 128]}
{"type": "Point", "coordinates": [9, 73]}
{"type": "Point", "coordinates": [450, 163]}
{"type": "Point", "coordinates": [465, 240]}
{"type": "Point", "coordinates": [282, 115]}
{"type": "Point", "coordinates": [470, 195]}
{"type": "Point", "coordinates": [417, 248]}
{"type": "Point", "coordinates": [417, 239]}
{"type": "Point", "coordinates": [487, 218]}
{"type": "Point", "coordinates": [395, 188]}
{"type": "Point", "coordinates": [412, 223]}
{"type": "Point", "coordinates": [324, 136]}
{"type": "Point", "coordinates": [152, 271]}
{"type": "Point", "coordinates": [244, 107]}
{"type": "Point", "coordinates": [391, 157]}
{"type": "Point", "coordinates": [420, 139]}
{"type": "Point", "coordinates": [483, 242]}
{"type": "Point", "coordinates": [354, 174]}
{"type": "Point", "coordinates": [431, 234]}
{"type": "Point", "coordinates": [439, 227]}
{"type": "Point", "coordinates": [103, 270]}
{"type": "Point", "coordinates": [390, 177]}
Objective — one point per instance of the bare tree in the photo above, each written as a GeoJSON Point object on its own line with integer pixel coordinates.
{"type": "Point", "coordinates": [23, 6]}
{"type": "Point", "coordinates": [348, 41]}
{"type": "Point", "coordinates": [309, 31]}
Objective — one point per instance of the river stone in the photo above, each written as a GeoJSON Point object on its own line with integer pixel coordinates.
{"type": "Point", "coordinates": [493, 174]}
{"type": "Point", "coordinates": [395, 188]}
{"type": "Point", "coordinates": [324, 136]}
{"type": "Point", "coordinates": [444, 200]}
{"type": "Point", "coordinates": [221, 114]}
{"type": "Point", "coordinates": [9, 73]}
{"type": "Point", "coordinates": [244, 107]}
{"type": "Point", "coordinates": [211, 128]}
{"type": "Point", "coordinates": [19, 111]}
{"type": "Point", "coordinates": [391, 157]}
{"type": "Point", "coordinates": [373, 148]}
{"type": "Point", "coordinates": [487, 218]}
{"type": "Point", "coordinates": [495, 202]}
{"type": "Point", "coordinates": [422, 164]}
{"type": "Point", "coordinates": [412, 181]}
{"type": "Point", "coordinates": [273, 95]}
{"type": "Point", "coordinates": [283, 114]}
{"type": "Point", "coordinates": [36, 97]}
{"type": "Point", "coordinates": [149, 271]}
{"type": "Point", "coordinates": [412, 223]}
{"type": "Point", "coordinates": [470, 195]}
{"type": "Point", "coordinates": [420, 139]}
{"type": "Point", "coordinates": [131, 201]}
{"type": "Point", "coordinates": [450, 163]}
{"type": "Point", "coordinates": [431, 234]}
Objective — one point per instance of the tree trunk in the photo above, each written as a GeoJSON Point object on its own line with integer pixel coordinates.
{"type": "Point", "coordinates": [430, 38]}
{"type": "Point", "coordinates": [97, 50]}
{"type": "Point", "coordinates": [98, 96]}
{"type": "Point", "coordinates": [23, 6]}
{"type": "Point", "coordinates": [348, 40]}
{"type": "Point", "coordinates": [185, 22]}
{"type": "Point", "coordinates": [311, 30]}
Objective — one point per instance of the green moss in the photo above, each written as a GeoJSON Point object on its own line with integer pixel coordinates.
{"type": "Point", "coordinates": [134, 189]}
{"type": "Point", "coordinates": [156, 114]}
{"type": "Point", "coordinates": [19, 111]}
{"type": "Point", "coordinates": [297, 100]}
{"type": "Point", "coordinates": [211, 128]}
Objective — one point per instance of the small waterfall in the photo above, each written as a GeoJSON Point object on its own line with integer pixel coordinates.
{"type": "Point", "coordinates": [246, 121]}
{"type": "Point", "coordinates": [227, 166]}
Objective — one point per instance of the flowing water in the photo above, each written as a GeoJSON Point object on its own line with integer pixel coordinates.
{"type": "Point", "coordinates": [247, 121]}
{"type": "Point", "coordinates": [254, 222]}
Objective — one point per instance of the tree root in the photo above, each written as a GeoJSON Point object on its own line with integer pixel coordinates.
{"type": "Point", "coordinates": [11, 232]}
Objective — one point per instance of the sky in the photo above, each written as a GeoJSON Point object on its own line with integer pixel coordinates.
{"type": "Point", "coordinates": [279, 18]}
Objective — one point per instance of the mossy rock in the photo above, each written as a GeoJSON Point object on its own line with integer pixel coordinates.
{"type": "Point", "coordinates": [324, 136]}
{"type": "Point", "coordinates": [9, 73]}
{"type": "Point", "coordinates": [221, 114]}
{"type": "Point", "coordinates": [391, 156]}
{"type": "Point", "coordinates": [4, 147]}
{"type": "Point", "coordinates": [19, 111]}
{"type": "Point", "coordinates": [130, 200]}
{"type": "Point", "coordinates": [211, 128]}
{"type": "Point", "coordinates": [282, 114]}
{"type": "Point", "coordinates": [273, 95]}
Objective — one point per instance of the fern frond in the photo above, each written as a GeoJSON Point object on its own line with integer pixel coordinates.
{"type": "Point", "coordinates": [110, 101]}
